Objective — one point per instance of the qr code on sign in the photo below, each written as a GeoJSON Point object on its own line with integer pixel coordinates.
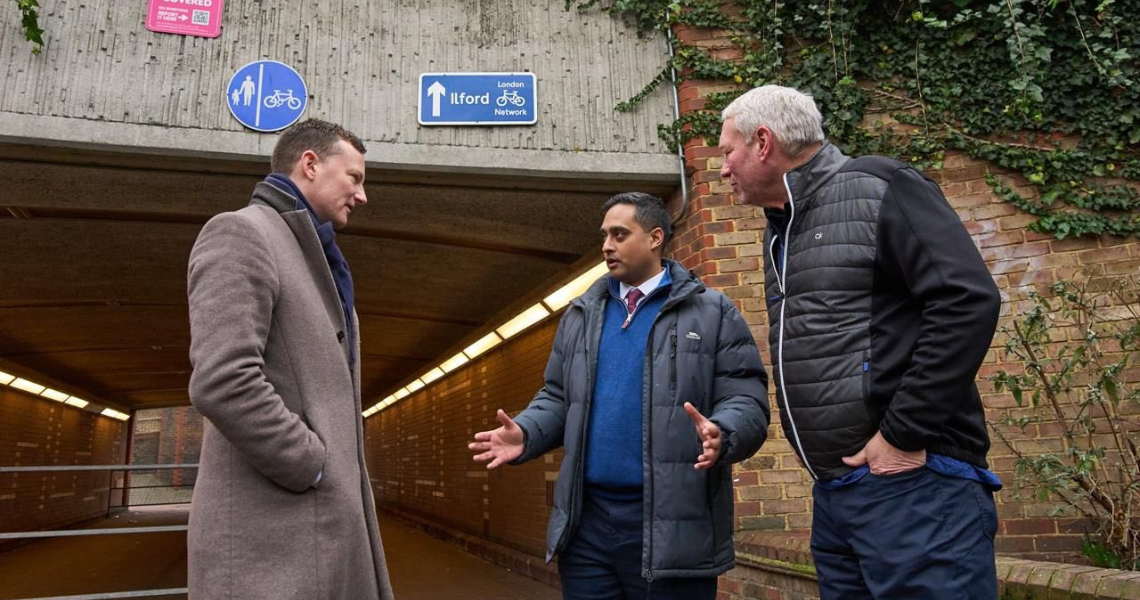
{"type": "Point", "coordinates": [201, 17]}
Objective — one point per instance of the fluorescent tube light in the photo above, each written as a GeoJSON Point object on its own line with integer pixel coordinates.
{"type": "Point", "coordinates": [415, 386]}
{"type": "Point", "coordinates": [454, 362]}
{"type": "Point", "coordinates": [6, 378]}
{"type": "Point", "coordinates": [114, 414]}
{"type": "Point", "coordinates": [575, 288]}
{"type": "Point", "coordinates": [484, 344]}
{"type": "Point", "coordinates": [431, 375]}
{"type": "Point", "coordinates": [56, 395]}
{"type": "Point", "coordinates": [524, 319]}
{"type": "Point", "coordinates": [400, 393]}
{"type": "Point", "coordinates": [77, 402]}
{"type": "Point", "coordinates": [27, 386]}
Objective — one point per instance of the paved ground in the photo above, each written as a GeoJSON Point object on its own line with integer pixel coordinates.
{"type": "Point", "coordinates": [422, 567]}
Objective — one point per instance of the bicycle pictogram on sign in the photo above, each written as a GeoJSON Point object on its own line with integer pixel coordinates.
{"type": "Point", "coordinates": [267, 95]}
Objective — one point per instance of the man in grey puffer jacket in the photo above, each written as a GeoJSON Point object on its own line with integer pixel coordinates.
{"type": "Point", "coordinates": [881, 312]}
{"type": "Point", "coordinates": [643, 505]}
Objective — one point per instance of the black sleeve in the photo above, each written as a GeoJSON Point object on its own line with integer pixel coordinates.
{"type": "Point", "coordinates": [922, 240]}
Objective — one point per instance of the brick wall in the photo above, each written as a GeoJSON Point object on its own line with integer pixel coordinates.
{"type": "Point", "coordinates": [168, 436]}
{"type": "Point", "coordinates": [37, 432]}
{"type": "Point", "coordinates": [418, 458]}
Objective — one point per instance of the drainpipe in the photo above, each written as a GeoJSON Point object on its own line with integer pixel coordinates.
{"type": "Point", "coordinates": [676, 116]}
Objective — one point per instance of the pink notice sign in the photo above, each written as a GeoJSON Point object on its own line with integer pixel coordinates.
{"type": "Point", "coordinates": [186, 17]}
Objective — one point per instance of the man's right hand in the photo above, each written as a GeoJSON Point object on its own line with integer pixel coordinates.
{"type": "Point", "coordinates": [500, 445]}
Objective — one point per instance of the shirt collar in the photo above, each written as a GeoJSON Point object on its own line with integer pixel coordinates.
{"type": "Point", "coordinates": [648, 286]}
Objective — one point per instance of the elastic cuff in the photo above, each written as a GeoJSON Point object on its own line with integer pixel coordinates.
{"type": "Point", "coordinates": [893, 439]}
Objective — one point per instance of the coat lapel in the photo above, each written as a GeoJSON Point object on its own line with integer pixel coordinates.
{"type": "Point", "coordinates": [302, 226]}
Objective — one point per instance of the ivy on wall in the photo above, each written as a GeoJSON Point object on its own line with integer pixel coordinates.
{"type": "Point", "coordinates": [30, 22]}
{"type": "Point", "coordinates": [1045, 89]}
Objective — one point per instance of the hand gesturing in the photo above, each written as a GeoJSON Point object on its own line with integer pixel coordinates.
{"type": "Point", "coordinates": [709, 433]}
{"type": "Point", "coordinates": [500, 445]}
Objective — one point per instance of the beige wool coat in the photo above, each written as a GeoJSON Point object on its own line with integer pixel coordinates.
{"type": "Point", "coordinates": [271, 376]}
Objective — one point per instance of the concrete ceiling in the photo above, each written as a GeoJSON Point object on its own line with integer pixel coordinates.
{"type": "Point", "coordinates": [94, 249]}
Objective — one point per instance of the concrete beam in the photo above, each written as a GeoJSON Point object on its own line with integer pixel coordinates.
{"type": "Point", "coordinates": [256, 147]}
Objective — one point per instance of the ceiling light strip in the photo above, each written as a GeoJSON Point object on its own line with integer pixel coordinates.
{"type": "Point", "coordinates": [551, 304]}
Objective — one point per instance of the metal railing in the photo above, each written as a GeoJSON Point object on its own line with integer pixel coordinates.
{"type": "Point", "coordinates": [61, 533]}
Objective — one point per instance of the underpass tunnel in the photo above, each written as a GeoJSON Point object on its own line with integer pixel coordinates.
{"type": "Point", "coordinates": [460, 280]}
{"type": "Point", "coordinates": [120, 142]}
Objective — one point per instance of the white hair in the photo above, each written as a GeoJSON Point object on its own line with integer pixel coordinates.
{"type": "Point", "coordinates": [790, 114]}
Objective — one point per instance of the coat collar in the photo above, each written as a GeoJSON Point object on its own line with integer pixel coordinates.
{"type": "Point", "coordinates": [684, 284]}
{"type": "Point", "coordinates": [805, 180]}
{"type": "Point", "coordinates": [301, 224]}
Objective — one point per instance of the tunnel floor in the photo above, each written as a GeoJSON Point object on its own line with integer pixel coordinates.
{"type": "Point", "coordinates": [421, 567]}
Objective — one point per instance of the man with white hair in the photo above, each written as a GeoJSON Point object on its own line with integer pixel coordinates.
{"type": "Point", "coordinates": [881, 311]}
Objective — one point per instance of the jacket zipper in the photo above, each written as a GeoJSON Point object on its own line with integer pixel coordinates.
{"type": "Point", "coordinates": [647, 568]}
{"type": "Point", "coordinates": [782, 278]}
{"type": "Point", "coordinates": [867, 385]}
{"type": "Point", "coordinates": [647, 571]}
{"type": "Point", "coordinates": [673, 358]}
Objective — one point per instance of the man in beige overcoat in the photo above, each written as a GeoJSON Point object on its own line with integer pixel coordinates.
{"type": "Point", "coordinates": [282, 505]}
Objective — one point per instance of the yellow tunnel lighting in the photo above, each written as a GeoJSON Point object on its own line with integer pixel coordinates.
{"type": "Point", "coordinates": [400, 393]}
{"type": "Point", "coordinates": [575, 288]}
{"type": "Point", "coordinates": [524, 319]}
{"type": "Point", "coordinates": [56, 395]}
{"type": "Point", "coordinates": [27, 386]}
{"type": "Point", "coordinates": [431, 375]}
{"type": "Point", "coordinates": [484, 344]}
{"type": "Point", "coordinates": [6, 378]}
{"type": "Point", "coordinates": [415, 386]}
{"type": "Point", "coordinates": [114, 414]}
{"type": "Point", "coordinates": [390, 400]}
{"type": "Point", "coordinates": [454, 362]}
{"type": "Point", "coordinates": [77, 402]}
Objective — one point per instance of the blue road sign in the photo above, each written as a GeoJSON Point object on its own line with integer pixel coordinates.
{"type": "Point", "coordinates": [266, 95]}
{"type": "Point", "coordinates": [478, 99]}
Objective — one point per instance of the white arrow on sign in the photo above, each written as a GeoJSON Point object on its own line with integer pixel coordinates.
{"type": "Point", "coordinates": [435, 91]}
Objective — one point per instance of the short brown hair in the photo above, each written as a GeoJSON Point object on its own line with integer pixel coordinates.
{"type": "Point", "coordinates": [311, 134]}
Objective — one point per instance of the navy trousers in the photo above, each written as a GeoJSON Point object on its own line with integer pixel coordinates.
{"type": "Point", "coordinates": [914, 536]}
{"type": "Point", "coordinates": [603, 560]}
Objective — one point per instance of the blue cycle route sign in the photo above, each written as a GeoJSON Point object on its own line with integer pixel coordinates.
{"type": "Point", "coordinates": [478, 99]}
{"type": "Point", "coordinates": [267, 95]}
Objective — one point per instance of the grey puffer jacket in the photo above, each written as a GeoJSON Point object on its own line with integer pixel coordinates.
{"type": "Point", "coordinates": [700, 351]}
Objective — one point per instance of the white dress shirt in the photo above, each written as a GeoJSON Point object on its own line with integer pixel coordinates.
{"type": "Point", "coordinates": [648, 286]}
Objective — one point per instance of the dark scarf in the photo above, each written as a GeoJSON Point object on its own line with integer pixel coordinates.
{"type": "Point", "coordinates": [337, 265]}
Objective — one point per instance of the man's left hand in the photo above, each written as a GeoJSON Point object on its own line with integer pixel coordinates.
{"type": "Point", "coordinates": [885, 459]}
{"type": "Point", "coordinates": [709, 433]}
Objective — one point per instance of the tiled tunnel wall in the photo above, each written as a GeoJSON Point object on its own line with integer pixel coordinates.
{"type": "Point", "coordinates": [418, 457]}
{"type": "Point", "coordinates": [38, 432]}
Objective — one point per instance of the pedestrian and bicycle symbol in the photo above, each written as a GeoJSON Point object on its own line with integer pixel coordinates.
{"type": "Point", "coordinates": [267, 95]}
{"type": "Point", "coordinates": [478, 99]}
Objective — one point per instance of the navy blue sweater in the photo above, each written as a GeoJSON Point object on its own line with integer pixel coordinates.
{"type": "Point", "coordinates": [613, 443]}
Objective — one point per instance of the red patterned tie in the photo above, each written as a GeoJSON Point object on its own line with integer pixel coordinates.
{"type": "Point", "coordinates": [631, 305]}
